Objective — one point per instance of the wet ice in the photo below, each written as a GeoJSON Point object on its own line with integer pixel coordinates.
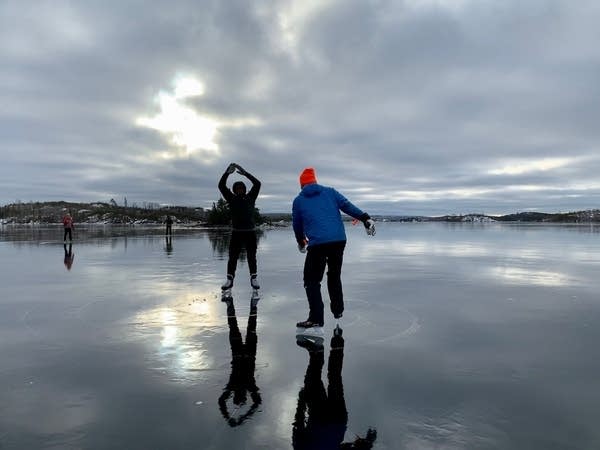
{"type": "Point", "coordinates": [468, 336]}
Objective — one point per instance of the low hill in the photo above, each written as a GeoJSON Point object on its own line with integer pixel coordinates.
{"type": "Point", "coordinates": [99, 212]}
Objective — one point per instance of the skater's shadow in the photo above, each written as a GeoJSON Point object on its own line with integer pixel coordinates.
{"type": "Point", "coordinates": [321, 416]}
{"type": "Point", "coordinates": [69, 256]}
{"type": "Point", "coordinates": [242, 382]}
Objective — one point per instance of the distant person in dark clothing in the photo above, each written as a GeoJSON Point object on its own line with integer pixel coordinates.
{"type": "Point", "coordinates": [169, 224]}
{"type": "Point", "coordinates": [69, 256]}
{"type": "Point", "coordinates": [318, 227]}
{"type": "Point", "coordinates": [321, 416]}
{"type": "Point", "coordinates": [68, 225]}
{"type": "Point", "coordinates": [243, 233]}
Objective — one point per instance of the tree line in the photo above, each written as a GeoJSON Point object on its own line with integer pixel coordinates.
{"type": "Point", "coordinates": [111, 212]}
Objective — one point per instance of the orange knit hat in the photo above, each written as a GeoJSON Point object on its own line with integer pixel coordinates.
{"type": "Point", "coordinates": [308, 176]}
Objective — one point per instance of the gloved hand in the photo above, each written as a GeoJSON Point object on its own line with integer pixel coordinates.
{"type": "Point", "coordinates": [302, 247]}
{"type": "Point", "coordinates": [240, 169]}
{"type": "Point", "coordinates": [370, 227]}
{"type": "Point", "coordinates": [231, 168]}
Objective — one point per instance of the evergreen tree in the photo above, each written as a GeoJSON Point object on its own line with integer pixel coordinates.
{"type": "Point", "coordinates": [219, 213]}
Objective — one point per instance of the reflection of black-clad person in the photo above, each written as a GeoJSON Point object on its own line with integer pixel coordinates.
{"type": "Point", "coordinates": [243, 360]}
{"type": "Point", "coordinates": [321, 416]}
{"type": "Point", "coordinates": [243, 234]}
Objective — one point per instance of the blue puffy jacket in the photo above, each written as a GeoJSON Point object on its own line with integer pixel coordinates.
{"type": "Point", "coordinates": [316, 214]}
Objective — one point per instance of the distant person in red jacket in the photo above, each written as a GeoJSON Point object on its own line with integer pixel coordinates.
{"type": "Point", "coordinates": [68, 225]}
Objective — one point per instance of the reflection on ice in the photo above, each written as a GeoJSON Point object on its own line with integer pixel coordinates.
{"type": "Point", "coordinates": [321, 417]}
{"type": "Point", "coordinates": [133, 348]}
{"type": "Point", "coordinates": [234, 404]}
{"type": "Point", "coordinates": [422, 248]}
{"type": "Point", "coordinates": [519, 275]}
{"type": "Point", "coordinates": [178, 329]}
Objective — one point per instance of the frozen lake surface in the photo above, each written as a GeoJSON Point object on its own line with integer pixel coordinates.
{"type": "Point", "coordinates": [454, 337]}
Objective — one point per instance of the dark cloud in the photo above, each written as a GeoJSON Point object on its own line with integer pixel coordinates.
{"type": "Point", "coordinates": [408, 107]}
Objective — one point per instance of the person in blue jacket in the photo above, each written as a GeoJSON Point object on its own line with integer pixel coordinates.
{"type": "Point", "coordinates": [319, 231]}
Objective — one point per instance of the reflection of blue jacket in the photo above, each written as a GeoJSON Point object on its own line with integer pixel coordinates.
{"type": "Point", "coordinates": [316, 214]}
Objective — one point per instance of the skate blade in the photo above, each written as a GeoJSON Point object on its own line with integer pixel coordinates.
{"type": "Point", "coordinates": [310, 332]}
{"type": "Point", "coordinates": [311, 343]}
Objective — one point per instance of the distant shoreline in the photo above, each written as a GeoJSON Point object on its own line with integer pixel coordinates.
{"type": "Point", "coordinates": [101, 213]}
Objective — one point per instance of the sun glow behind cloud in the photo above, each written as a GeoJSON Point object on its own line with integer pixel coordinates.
{"type": "Point", "coordinates": [188, 87]}
{"type": "Point", "coordinates": [190, 132]}
{"type": "Point", "coordinates": [186, 128]}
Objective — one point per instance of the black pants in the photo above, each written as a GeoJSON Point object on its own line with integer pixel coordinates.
{"type": "Point", "coordinates": [331, 255]}
{"type": "Point", "coordinates": [321, 416]}
{"type": "Point", "coordinates": [239, 239]}
{"type": "Point", "coordinates": [69, 232]}
{"type": "Point", "coordinates": [243, 363]}
{"type": "Point", "coordinates": [168, 230]}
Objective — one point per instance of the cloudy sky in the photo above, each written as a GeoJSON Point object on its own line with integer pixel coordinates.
{"type": "Point", "coordinates": [405, 106]}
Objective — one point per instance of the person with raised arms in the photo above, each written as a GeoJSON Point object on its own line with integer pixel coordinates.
{"type": "Point", "coordinates": [243, 233]}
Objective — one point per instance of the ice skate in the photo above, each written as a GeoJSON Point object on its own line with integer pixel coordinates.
{"type": "Point", "coordinates": [337, 341]}
{"type": "Point", "coordinates": [309, 329]}
{"type": "Point", "coordinates": [230, 307]}
{"type": "Point", "coordinates": [226, 295]}
{"type": "Point", "coordinates": [310, 343]}
{"type": "Point", "coordinates": [254, 282]}
{"type": "Point", "coordinates": [309, 324]}
{"type": "Point", "coordinates": [337, 331]}
{"type": "Point", "coordinates": [228, 283]}
{"type": "Point", "coordinates": [254, 298]}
